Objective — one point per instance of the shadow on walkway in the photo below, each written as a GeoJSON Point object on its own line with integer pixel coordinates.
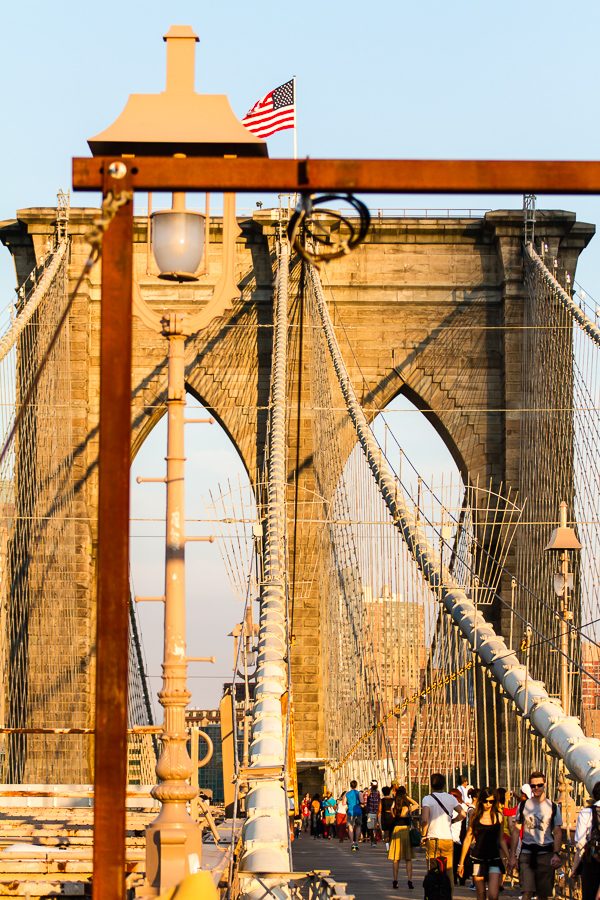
{"type": "Point", "coordinates": [368, 873]}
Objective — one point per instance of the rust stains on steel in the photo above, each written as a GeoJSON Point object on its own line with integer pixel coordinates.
{"type": "Point", "coordinates": [110, 753]}
{"type": "Point", "coordinates": [137, 729]}
{"type": "Point", "coordinates": [404, 176]}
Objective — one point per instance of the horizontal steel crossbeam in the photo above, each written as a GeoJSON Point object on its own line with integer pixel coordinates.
{"type": "Point", "coordinates": [404, 176]}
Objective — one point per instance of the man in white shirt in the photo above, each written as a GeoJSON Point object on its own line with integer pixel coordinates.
{"type": "Point", "coordinates": [438, 811]}
{"type": "Point", "coordinates": [586, 833]}
{"type": "Point", "coordinates": [464, 788]}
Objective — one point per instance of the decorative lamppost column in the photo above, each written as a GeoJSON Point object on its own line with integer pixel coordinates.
{"type": "Point", "coordinates": [173, 840]}
{"type": "Point", "coordinates": [563, 541]}
{"type": "Point", "coordinates": [178, 122]}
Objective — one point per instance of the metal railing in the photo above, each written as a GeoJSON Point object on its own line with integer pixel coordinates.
{"type": "Point", "coordinates": [316, 885]}
{"type": "Point", "coordinates": [380, 213]}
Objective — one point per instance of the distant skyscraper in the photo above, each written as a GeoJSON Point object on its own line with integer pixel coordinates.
{"type": "Point", "coordinates": [590, 690]}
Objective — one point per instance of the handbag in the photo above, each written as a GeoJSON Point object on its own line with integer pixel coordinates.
{"type": "Point", "coordinates": [415, 836]}
{"type": "Point", "coordinates": [371, 821]}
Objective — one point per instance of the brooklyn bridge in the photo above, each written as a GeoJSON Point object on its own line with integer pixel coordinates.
{"type": "Point", "coordinates": [392, 624]}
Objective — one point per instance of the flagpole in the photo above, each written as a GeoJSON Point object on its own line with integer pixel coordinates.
{"type": "Point", "coordinates": [295, 121]}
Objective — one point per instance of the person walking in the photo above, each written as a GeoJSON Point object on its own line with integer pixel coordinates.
{"type": "Point", "coordinates": [315, 816]}
{"type": "Point", "coordinates": [341, 818]}
{"type": "Point", "coordinates": [305, 812]}
{"type": "Point", "coordinates": [400, 845]}
{"type": "Point", "coordinates": [353, 799]}
{"type": "Point", "coordinates": [541, 841]}
{"type": "Point", "coordinates": [438, 811]}
{"type": "Point", "coordinates": [509, 811]}
{"type": "Point", "coordinates": [372, 807]}
{"type": "Point", "coordinates": [464, 787]}
{"type": "Point", "coordinates": [385, 815]}
{"type": "Point", "coordinates": [586, 861]}
{"type": "Point", "coordinates": [329, 808]}
{"type": "Point", "coordinates": [487, 842]}
{"type": "Point", "coordinates": [363, 822]}
{"type": "Point", "coordinates": [458, 836]}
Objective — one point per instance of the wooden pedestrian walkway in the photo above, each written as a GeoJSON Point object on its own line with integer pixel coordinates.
{"type": "Point", "coordinates": [368, 873]}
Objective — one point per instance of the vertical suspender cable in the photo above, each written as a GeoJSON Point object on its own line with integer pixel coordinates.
{"type": "Point", "coordinates": [564, 735]}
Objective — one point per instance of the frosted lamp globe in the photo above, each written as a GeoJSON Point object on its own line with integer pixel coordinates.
{"type": "Point", "coordinates": [177, 243]}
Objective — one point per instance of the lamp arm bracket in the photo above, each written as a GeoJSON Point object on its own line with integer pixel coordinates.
{"type": "Point", "coordinates": [226, 289]}
{"type": "Point", "coordinates": [143, 311]}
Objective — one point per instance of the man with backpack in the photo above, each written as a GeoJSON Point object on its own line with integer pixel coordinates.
{"type": "Point", "coordinates": [438, 811]}
{"type": "Point", "coordinates": [540, 843]}
{"type": "Point", "coordinates": [354, 814]}
{"type": "Point", "coordinates": [586, 861]}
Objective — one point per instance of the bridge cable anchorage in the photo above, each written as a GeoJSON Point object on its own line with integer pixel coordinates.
{"type": "Point", "coordinates": [562, 733]}
{"type": "Point", "coordinates": [322, 235]}
{"type": "Point", "coordinates": [265, 833]}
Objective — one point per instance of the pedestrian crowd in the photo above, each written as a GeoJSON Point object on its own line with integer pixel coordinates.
{"type": "Point", "coordinates": [474, 836]}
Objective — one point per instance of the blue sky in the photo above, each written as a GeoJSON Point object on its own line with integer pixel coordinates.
{"type": "Point", "coordinates": [387, 79]}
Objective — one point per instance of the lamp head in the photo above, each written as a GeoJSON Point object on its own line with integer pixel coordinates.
{"type": "Point", "coordinates": [563, 537]}
{"type": "Point", "coordinates": [178, 120]}
{"type": "Point", "coordinates": [178, 237]}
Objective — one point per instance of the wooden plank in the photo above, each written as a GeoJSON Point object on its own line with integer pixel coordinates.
{"type": "Point", "coordinates": [46, 888]}
{"type": "Point", "coordinates": [54, 853]}
{"type": "Point", "coordinates": [140, 793]}
{"type": "Point", "coordinates": [22, 868]}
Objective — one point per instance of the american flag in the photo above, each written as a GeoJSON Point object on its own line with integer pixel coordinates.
{"type": "Point", "coordinates": [275, 112]}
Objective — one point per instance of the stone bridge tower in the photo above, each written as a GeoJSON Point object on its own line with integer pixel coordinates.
{"type": "Point", "coordinates": [431, 304]}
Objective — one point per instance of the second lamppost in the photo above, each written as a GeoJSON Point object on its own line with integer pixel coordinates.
{"type": "Point", "coordinates": [564, 541]}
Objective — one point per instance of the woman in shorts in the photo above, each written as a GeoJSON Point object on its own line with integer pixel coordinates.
{"type": "Point", "coordinates": [487, 842]}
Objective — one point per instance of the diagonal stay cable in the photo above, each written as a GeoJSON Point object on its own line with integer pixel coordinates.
{"type": "Point", "coordinates": [110, 206]}
{"type": "Point", "coordinates": [564, 735]}
{"type": "Point", "coordinates": [502, 568]}
{"type": "Point", "coordinates": [36, 296]}
{"type": "Point", "coordinates": [584, 322]}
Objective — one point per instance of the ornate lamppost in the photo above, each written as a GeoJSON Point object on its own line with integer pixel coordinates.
{"type": "Point", "coordinates": [178, 122]}
{"type": "Point", "coordinates": [563, 541]}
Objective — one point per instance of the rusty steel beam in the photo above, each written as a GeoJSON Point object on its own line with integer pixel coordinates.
{"type": "Point", "coordinates": [112, 624]}
{"type": "Point", "coordinates": [404, 176]}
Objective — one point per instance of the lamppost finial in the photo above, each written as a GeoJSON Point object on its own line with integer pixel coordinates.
{"type": "Point", "coordinates": [181, 43]}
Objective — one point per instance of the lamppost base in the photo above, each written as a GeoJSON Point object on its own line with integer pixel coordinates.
{"type": "Point", "coordinates": [173, 849]}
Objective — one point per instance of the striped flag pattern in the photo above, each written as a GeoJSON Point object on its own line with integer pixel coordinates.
{"type": "Point", "coordinates": [275, 112]}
